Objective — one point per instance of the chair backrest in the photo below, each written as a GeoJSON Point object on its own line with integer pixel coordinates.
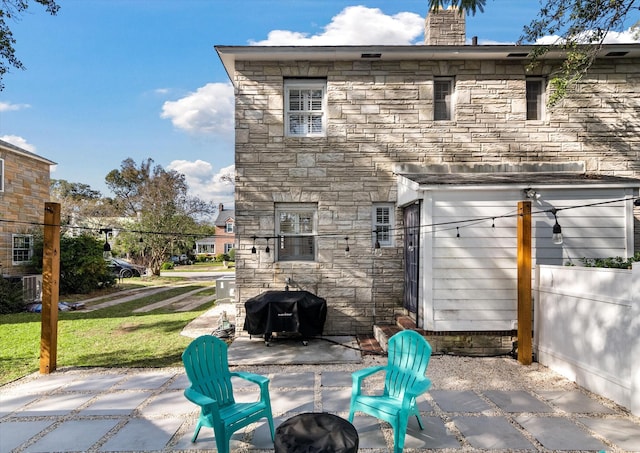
{"type": "Point", "coordinates": [205, 362]}
{"type": "Point", "coordinates": [408, 357]}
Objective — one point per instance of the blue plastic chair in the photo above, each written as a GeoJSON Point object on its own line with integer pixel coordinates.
{"type": "Point", "coordinates": [207, 367]}
{"type": "Point", "coordinates": [405, 380]}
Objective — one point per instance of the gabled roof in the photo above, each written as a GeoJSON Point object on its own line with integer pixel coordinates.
{"type": "Point", "coordinates": [223, 216]}
{"type": "Point", "coordinates": [15, 149]}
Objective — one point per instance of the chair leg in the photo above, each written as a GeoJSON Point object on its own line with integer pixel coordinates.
{"type": "Point", "coordinates": [197, 431]}
{"type": "Point", "coordinates": [419, 421]}
{"type": "Point", "coordinates": [399, 433]}
{"type": "Point", "coordinates": [273, 435]}
{"type": "Point", "coordinates": [222, 440]}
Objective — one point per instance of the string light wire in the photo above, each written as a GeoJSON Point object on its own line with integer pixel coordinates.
{"type": "Point", "coordinates": [365, 234]}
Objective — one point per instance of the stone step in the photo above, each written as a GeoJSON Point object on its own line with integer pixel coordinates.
{"type": "Point", "coordinates": [369, 345]}
{"type": "Point", "coordinates": [382, 333]}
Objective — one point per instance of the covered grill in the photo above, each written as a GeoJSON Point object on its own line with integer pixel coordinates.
{"type": "Point", "coordinates": [285, 311]}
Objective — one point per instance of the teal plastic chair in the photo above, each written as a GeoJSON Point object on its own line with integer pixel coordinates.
{"type": "Point", "coordinates": [405, 380]}
{"type": "Point", "coordinates": [207, 367]}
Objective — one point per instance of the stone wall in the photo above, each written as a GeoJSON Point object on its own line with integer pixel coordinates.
{"type": "Point", "coordinates": [26, 189]}
{"type": "Point", "coordinates": [380, 113]}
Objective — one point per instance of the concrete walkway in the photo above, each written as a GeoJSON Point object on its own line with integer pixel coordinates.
{"type": "Point", "coordinates": [143, 410]}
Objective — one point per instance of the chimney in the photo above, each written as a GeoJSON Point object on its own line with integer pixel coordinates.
{"type": "Point", "coordinates": [447, 27]}
{"type": "Point", "coordinates": [220, 207]}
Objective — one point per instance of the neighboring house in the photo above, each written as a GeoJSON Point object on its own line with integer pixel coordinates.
{"type": "Point", "coordinates": [224, 239]}
{"type": "Point", "coordinates": [414, 158]}
{"type": "Point", "coordinates": [24, 189]}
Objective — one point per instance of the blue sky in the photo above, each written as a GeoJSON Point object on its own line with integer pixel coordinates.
{"type": "Point", "coordinates": [112, 79]}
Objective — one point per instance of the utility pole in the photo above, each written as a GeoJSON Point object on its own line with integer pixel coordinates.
{"type": "Point", "coordinates": [525, 316]}
{"type": "Point", "coordinates": [50, 288]}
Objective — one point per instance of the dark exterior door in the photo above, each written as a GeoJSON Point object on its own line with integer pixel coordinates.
{"type": "Point", "coordinates": [411, 256]}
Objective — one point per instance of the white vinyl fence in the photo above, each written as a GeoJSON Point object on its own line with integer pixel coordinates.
{"type": "Point", "coordinates": [587, 328]}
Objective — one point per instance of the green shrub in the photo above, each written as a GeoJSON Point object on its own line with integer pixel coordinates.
{"type": "Point", "coordinates": [82, 266]}
{"type": "Point", "coordinates": [166, 266]}
{"type": "Point", "coordinates": [615, 262]}
{"type": "Point", "coordinates": [220, 257]}
{"type": "Point", "coordinates": [11, 296]}
{"type": "Point", "coordinates": [232, 255]}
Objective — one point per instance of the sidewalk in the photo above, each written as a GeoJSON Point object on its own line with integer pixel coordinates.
{"type": "Point", "coordinates": [475, 405]}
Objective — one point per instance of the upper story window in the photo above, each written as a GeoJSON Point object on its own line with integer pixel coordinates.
{"type": "Point", "coordinates": [1, 175]}
{"type": "Point", "coordinates": [228, 227]}
{"type": "Point", "coordinates": [22, 248]}
{"type": "Point", "coordinates": [382, 220]}
{"type": "Point", "coordinates": [535, 98]}
{"type": "Point", "coordinates": [305, 107]}
{"type": "Point", "coordinates": [443, 98]}
{"type": "Point", "coordinates": [296, 229]}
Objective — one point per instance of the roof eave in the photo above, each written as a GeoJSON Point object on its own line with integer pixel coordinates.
{"type": "Point", "coordinates": [230, 54]}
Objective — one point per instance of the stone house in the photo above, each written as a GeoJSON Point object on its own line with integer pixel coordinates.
{"type": "Point", "coordinates": [24, 189]}
{"type": "Point", "coordinates": [386, 179]}
{"type": "Point", "coordinates": [224, 239]}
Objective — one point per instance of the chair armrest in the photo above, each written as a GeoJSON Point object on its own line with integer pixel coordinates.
{"type": "Point", "coordinates": [198, 398]}
{"type": "Point", "coordinates": [251, 377]}
{"type": "Point", "coordinates": [418, 388]}
{"type": "Point", "coordinates": [359, 375]}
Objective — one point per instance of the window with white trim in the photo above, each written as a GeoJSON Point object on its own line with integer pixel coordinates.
{"type": "Point", "coordinates": [22, 248]}
{"type": "Point", "coordinates": [443, 98]}
{"type": "Point", "coordinates": [227, 247]}
{"type": "Point", "coordinates": [228, 227]}
{"type": "Point", "coordinates": [382, 222]}
{"type": "Point", "coordinates": [305, 107]}
{"type": "Point", "coordinates": [535, 98]}
{"type": "Point", "coordinates": [1, 175]}
{"type": "Point", "coordinates": [296, 229]}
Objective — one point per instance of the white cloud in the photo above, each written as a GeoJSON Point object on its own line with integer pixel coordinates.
{"type": "Point", "coordinates": [208, 110]}
{"type": "Point", "coordinates": [630, 35]}
{"type": "Point", "coordinates": [205, 182]}
{"type": "Point", "coordinates": [9, 107]}
{"type": "Point", "coordinates": [355, 25]}
{"type": "Point", "coordinates": [19, 142]}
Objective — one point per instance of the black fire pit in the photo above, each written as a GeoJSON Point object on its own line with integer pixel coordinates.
{"type": "Point", "coordinates": [297, 312]}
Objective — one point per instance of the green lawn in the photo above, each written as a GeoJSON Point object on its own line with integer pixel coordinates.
{"type": "Point", "coordinates": [109, 337]}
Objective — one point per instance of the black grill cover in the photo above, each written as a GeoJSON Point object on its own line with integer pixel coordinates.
{"type": "Point", "coordinates": [285, 311]}
{"type": "Point", "coordinates": [316, 432]}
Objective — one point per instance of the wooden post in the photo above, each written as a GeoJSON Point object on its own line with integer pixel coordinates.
{"type": "Point", "coordinates": [50, 288]}
{"type": "Point", "coordinates": [525, 315]}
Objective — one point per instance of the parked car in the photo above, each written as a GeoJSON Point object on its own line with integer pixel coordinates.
{"type": "Point", "coordinates": [181, 259]}
{"type": "Point", "coordinates": [124, 269]}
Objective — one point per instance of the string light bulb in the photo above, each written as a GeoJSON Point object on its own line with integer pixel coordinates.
{"type": "Point", "coordinates": [556, 238]}
{"type": "Point", "coordinates": [253, 249]}
{"type": "Point", "coordinates": [377, 250]}
{"type": "Point", "coordinates": [106, 248]}
{"type": "Point", "coordinates": [346, 249]}
{"type": "Point", "coordinates": [267, 249]}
